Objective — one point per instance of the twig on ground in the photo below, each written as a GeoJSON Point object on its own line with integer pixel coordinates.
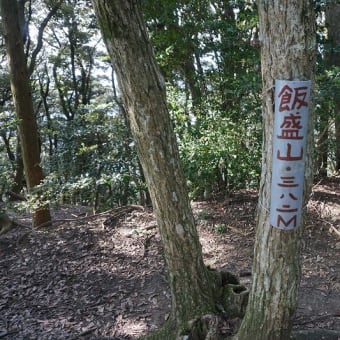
{"type": "Point", "coordinates": [85, 332]}
{"type": "Point", "coordinates": [335, 230]}
{"type": "Point", "coordinates": [235, 229]}
{"type": "Point", "coordinates": [331, 226]}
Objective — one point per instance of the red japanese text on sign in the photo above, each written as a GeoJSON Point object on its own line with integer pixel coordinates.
{"type": "Point", "coordinates": [292, 98]}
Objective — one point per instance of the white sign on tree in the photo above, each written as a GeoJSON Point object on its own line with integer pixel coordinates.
{"type": "Point", "coordinates": [289, 152]}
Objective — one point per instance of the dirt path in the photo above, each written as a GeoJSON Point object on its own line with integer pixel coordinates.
{"type": "Point", "coordinates": [104, 277]}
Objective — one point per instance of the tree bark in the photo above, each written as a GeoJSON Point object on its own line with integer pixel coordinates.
{"type": "Point", "coordinates": [144, 96]}
{"type": "Point", "coordinates": [287, 36]}
{"type": "Point", "coordinates": [22, 97]}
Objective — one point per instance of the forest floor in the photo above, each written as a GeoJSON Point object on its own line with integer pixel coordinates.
{"type": "Point", "coordinates": [103, 277]}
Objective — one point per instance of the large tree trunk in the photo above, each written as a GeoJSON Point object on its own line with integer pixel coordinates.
{"type": "Point", "coordinates": [22, 97]}
{"type": "Point", "coordinates": [287, 35]}
{"type": "Point", "coordinates": [144, 96]}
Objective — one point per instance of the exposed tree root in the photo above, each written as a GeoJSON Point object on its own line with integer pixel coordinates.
{"type": "Point", "coordinates": [230, 304]}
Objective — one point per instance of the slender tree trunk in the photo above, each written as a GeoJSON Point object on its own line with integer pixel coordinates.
{"type": "Point", "coordinates": [322, 143]}
{"type": "Point", "coordinates": [143, 91]}
{"type": "Point", "coordinates": [337, 135]}
{"type": "Point", "coordinates": [287, 35]}
{"type": "Point", "coordinates": [333, 59]}
{"type": "Point", "coordinates": [22, 96]}
{"type": "Point", "coordinates": [19, 177]}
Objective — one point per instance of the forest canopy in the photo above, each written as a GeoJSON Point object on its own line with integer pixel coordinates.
{"type": "Point", "coordinates": [209, 54]}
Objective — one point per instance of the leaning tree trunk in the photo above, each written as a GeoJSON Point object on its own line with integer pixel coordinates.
{"type": "Point", "coordinates": [22, 96]}
{"type": "Point", "coordinates": [287, 36]}
{"type": "Point", "coordinates": [144, 96]}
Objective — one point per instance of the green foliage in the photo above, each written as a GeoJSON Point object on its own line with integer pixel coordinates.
{"type": "Point", "coordinates": [209, 54]}
{"type": "Point", "coordinates": [220, 159]}
{"type": "Point", "coordinates": [213, 90]}
{"type": "Point", "coordinates": [94, 159]}
{"type": "Point", "coordinates": [220, 228]}
{"type": "Point", "coordinates": [6, 180]}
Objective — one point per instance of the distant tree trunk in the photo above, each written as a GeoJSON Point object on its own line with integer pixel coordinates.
{"type": "Point", "coordinates": [287, 36]}
{"type": "Point", "coordinates": [16, 161]}
{"type": "Point", "coordinates": [22, 96]}
{"type": "Point", "coordinates": [322, 143]}
{"type": "Point", "coordinates": [333, 58]}
{"type": "Point", "coordinates": [144, 96]}
{"type": "Point", "coordinates": [337, 135]}
{"type": "Point", "coordinates": [19, 178]}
